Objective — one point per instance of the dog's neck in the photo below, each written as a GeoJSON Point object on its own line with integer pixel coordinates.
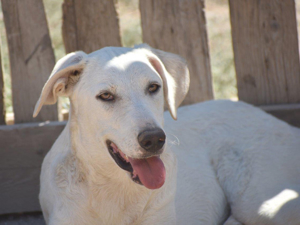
{"type": "Point", "coordinates": [104, 180]}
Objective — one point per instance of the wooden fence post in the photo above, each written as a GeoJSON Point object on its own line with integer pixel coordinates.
{"type": "Point", "coordinates": [2, 106]}
{"type": "Point", "coordinates": [264, 34]}
{"type": "Point", "coordinates": [179, 26]}
{"type": "Point", "coordinates": [31, 56]}
{"type": "Point", "coordinates": [89, 27]}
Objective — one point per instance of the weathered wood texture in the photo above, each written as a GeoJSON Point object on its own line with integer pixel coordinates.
{"type": "Point", "coordinates": [2, 106]}
{"type": "Point", "coordinates": [179, 26]}
{"type": "Point", "coordinates": [89, 27]}
{"type": "Point", "coordinates": [289, 113]}
{"type": "Point", "coordinates": [31, 56]}
{"type": "Point", "coordinates": [23, 148]}
{"type": "Point", "coordinates": [264, 36]}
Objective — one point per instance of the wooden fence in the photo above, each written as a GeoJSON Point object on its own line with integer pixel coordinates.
{"type": "Point", "coordinates": [266, 57]}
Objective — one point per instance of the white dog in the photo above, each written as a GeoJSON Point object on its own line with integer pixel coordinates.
{"type": "Point", "coordinates": [221, 162]}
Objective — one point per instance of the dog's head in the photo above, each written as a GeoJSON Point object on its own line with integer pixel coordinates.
{"type": "Point", "coordinates": [117, 101]}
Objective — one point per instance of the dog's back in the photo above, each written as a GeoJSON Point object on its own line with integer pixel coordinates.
{"type": "Point", "coordinates": [236, 152]}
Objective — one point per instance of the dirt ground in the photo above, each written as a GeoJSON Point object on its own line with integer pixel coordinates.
{"type": "Point", "coordinates": [22, 219]}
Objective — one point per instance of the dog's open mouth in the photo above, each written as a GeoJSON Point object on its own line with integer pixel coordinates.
{"type": "Point", "coordinates": [149, 172]}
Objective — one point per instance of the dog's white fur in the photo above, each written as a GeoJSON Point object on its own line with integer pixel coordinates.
{"type": "Point", "coordinates": [226, 162]}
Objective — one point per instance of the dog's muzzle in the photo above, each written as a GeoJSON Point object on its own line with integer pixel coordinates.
{"type": "Point", "coordinates": [148, 169]}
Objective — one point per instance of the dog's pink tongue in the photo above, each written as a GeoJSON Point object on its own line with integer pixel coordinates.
{"type": "Point", "coordinates": [151, 171]}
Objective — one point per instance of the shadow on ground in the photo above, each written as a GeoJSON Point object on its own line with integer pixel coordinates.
{"type": "Point", "coordinates": [22, 219]}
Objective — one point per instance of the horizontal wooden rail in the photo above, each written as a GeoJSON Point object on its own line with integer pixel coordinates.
{"type": "Point", "coordinates": [289, 113]}
{"type": "Point", "coordinates": [23, 148]}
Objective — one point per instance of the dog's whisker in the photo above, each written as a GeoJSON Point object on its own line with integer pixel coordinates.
{"type": "Point", "coordinates": [176, 141]}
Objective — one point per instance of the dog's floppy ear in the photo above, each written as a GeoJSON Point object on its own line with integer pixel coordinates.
{"type": "Point", "coordinates": [174, 73]}
{"type": "Point", "coordinates": [62, 79]}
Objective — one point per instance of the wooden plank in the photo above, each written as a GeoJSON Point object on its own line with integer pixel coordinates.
{"type": "Point", "coordinates": [289, 113]}
{"type": "Point", "coordinates": [23, 148]}
{"type": "Point", "coordinates": [31, 56]}
{"type": "Point", "coordinates": [2, 103]}
{"type": "Point", "coordinates": [32, 218]}
{"type": "Point", "coordinates": [89, 27]}
{"type": "Point", "coordinates": [264, 34]}
{"type": "Point", "coordinates": [179, 26]}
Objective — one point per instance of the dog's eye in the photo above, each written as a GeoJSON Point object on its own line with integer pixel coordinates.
{"type": "Point", "coordinates": [106, 96]}
{"type": "Point", "coordinates": [153, 88]}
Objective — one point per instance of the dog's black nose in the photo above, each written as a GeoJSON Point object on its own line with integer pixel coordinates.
{"type": "Point", "coordinates": [152, 140]}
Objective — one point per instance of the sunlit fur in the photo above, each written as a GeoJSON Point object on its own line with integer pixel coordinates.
{"type": "Point", "coordinates": [223, 159]}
